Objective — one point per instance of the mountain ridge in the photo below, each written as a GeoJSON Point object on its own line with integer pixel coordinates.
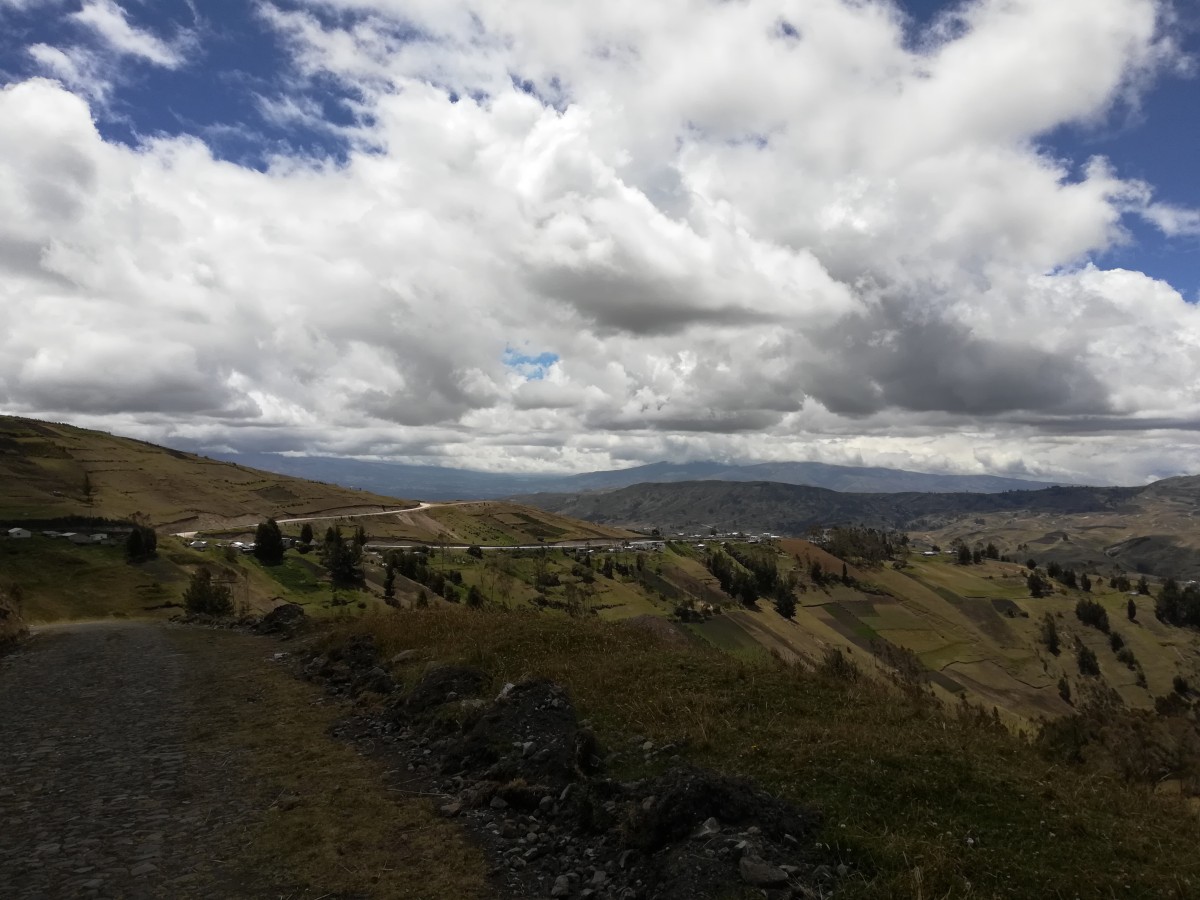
{"type": "Point", "coordinates": [445, 483]}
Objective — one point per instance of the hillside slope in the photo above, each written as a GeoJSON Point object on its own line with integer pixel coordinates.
{"type": "Point", "coordinates": [50, 471]}
{"type": "Point", "coordinates": [1150, 528]}
{"type": "Point", "coordinates": [792, 509]}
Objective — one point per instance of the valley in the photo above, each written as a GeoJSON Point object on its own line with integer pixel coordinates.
{"type": "Point", "coordinates": [874, 670]}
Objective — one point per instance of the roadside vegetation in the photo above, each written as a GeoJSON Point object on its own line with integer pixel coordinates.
{"type": "Point", "coordinates": [916, 800]}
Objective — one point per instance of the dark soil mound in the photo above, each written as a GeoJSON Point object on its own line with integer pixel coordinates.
{"type": "Point", "coordinates": [439, 686]}
{"type": "Point", "coordinates": [530, 732]}
{"type": "Point", "coordinates": [283, 619]}
{"type": "Point", "coordinates": [527, 776]}
{"type": "Point", "coordinates": [681, 799]}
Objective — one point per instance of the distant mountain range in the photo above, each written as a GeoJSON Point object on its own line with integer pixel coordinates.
{"type": "Point", "coordinates": [793, 509]}
{"type": "Point", "coordinates": [442, 483]}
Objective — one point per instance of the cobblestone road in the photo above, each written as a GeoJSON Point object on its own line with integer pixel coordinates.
{"type": "Point", "coordinates": [101, 795]}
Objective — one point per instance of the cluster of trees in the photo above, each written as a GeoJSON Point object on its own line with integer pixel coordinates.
{"type": "Point", "coordinates": [1089, 612]}
{"type": "Point", "coordinates": [869, 546]}
{"type": "Point", "coordinates": [414, 565]}
{"type": "Point", "coordinates": [749, 573]}
{"type": "Point", "coordinates": [342, 557]}
{"type": "Point", "coordinates": [1040, 585]}
{"type": "Point", "coordinates": [1178, 606]}
{"type": "Point", "coordinates": [1037, 585]}
{"type": "Point", "coordinates": [142, 543]}
{"type": "Point", "coordinates": [1068, 578]}
{"type": "Point", "coordinates": [968, 556]}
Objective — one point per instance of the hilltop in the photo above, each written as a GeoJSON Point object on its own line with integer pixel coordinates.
{"type": "Point", "coordinates": [55, 471]}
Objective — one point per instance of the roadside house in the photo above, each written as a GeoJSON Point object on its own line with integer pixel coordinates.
{"type": "Point", "coordinates": [19, 533]}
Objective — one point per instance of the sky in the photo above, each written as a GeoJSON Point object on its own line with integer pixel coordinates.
{"type": "Point", "coordinates": [540, 235]}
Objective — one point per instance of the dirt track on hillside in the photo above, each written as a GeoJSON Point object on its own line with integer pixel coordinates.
{"type": "Point", "coordinates": [140, 760]}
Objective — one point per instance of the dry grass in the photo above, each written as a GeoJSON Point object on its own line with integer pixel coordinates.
{"type": "Point", "coordinates": [43, 468]}
{"type": "Point", "coordinates": [348, 835]}
{"type": "Point", "coordinates": [907, 792]}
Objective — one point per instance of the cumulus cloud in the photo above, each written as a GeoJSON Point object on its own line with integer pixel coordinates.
{"type": "Point", "coordinates": [763, 230]}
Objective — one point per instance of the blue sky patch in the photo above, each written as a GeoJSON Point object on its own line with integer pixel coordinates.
{"type": "Point", "coordinates": [532, 368]}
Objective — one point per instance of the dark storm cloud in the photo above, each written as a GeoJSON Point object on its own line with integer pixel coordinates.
{"type": "Point", "coordinates": [926, 362]}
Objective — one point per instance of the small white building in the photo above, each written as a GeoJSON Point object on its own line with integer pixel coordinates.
{"type": "Point", "coordinates": [79, 538]}
{"type": "Point", "coordinates": [19, 533]}
{"type": "Point", "coordinates": [99, 538]}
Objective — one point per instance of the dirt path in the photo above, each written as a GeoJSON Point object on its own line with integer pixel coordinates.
{"type": "Point", "coordinates": [140, 760]}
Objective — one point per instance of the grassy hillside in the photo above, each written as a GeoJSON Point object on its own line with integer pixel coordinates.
{"type": "Point", "coordinates": [50, 471]}
{"type": "Point", "coordinates": [59, 581]}
{"type": "Point", "coordinates": [915, 802]}
{"type": "Point", "coordinates": [969, 632]}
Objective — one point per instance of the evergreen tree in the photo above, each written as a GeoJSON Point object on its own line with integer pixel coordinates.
{"type": "Point", "coordinates": [1064, 689]}
{"type": "Point", "coordinates": [991, 552]}
{"type": "Point", "coordinates": [268, 543]}
{"type": "Point", "coordinates": [1143, 586]}
{"type": "Point", "coordinates": [475, 597]}
{"type": "Point", "coordinates": [389, 582]}
{"type": "Point", "coordinates": [306, 534]}
{"type": "Point", "coordinates": [845, 578]}
{"type": "Point", "coordinates": [142, 544]}
{"type": "Point", "coordinates": [342, 558]}
{"type": "Point", "coordinates": [785, 605]}
{"type": "Point", "coordinates": [1085, 583]}
{"type": "Point", "coordinates": [1131, 610]}
{"type": "Point", "coordinates": [1037, 587]}
{"type": "Point", "coordinates": [1050, 634]}
{"type": "Point", "coordinates": [964, 555]}
{"type": "Point", "coordinates": [134, 551]}
{"type": "Point", "coordinates": [1088, 664]}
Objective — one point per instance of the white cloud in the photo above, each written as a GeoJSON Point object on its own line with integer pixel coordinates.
{"type": "Point", "coordinates": [738, 243]}
{"type": "Point", "coordinates": [109, 21]}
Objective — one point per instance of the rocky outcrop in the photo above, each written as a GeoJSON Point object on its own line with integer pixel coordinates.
{"type": "Point", "coordinates": [519, 768]}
